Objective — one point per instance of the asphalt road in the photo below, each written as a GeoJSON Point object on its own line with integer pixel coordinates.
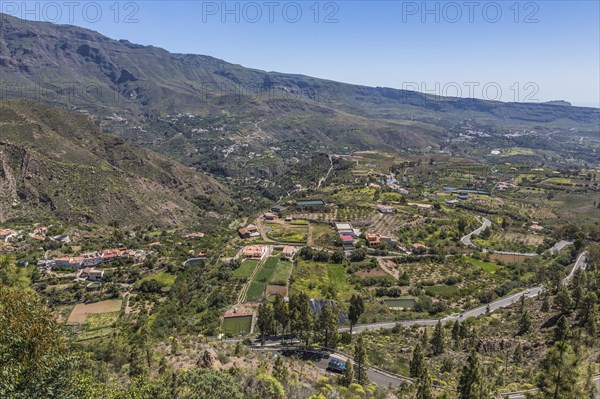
{"type": "Point", "coordinates": [467, 239]}
{"type": "Point", "coordinates": [379, 377]}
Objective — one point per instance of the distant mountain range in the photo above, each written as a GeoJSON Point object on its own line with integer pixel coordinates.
{"type": "Point", "coordinates": [56, 164]}
{"type": "Point", "coordinates": [130, 87]}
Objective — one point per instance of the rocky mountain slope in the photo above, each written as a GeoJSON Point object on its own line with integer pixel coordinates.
{"type": "Point", "coordinates": [58, 164]}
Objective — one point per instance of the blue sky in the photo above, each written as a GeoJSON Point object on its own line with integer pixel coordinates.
{"type": "Point", "coordinates": [508, 50]}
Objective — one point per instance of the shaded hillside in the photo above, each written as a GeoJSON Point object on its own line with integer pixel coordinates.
{"type": "Point", "coordinates": [55, 163]}
{"type": "Point", "coordinates": [130, 86]}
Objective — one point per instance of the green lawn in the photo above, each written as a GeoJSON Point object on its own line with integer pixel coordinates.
{"type": "Point", "coordinates": [164, 278]}
{"type": "Point", "coordinates": [256, 291]}
{"type": "Point", "coordinates": [94, 321]}
{"type": "Point", "coordinates": [245, 269]}
{"type": "Point", "coordinates": [442, 291]}
{"type": "Point", "coordinates": [237, 325]}
{"type": "Point", "coordinates": [488, 267]}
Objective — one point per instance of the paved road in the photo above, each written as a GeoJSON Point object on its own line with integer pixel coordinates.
{"type": "Point", "coordinates": [381, 378]}
{"type": "Point", "coordinates": [498, 304]}
{"type": "Point", "coordinates": [521, 394]}
{"type": "Point", "coordinates": [467, 239]}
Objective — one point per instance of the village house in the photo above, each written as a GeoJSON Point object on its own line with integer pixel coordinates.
{"type": "Point", "coordinates": [288, 252]}
{"type": "Point", "coordinates": [373, 239]}
{"type": "Point", "coordinates": [536, 227]}
{"type": "Point", "coordinates": [73, 262]}
{"type": "Point", "coordinates": [270, 216]}
{"type": "Point", "coordinates": [91, 274]}
{"type": "Point", "coordinates": [249, 232]}
{"type": "Point", "coordinates": [385, 209]}
{"type": "Point", "coordinates": [254, 252]}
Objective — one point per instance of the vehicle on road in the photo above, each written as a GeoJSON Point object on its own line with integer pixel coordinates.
{"type": "Point", "coordinates": [336, 366]}
{"type": "Point", "coordinates": [527, 292]}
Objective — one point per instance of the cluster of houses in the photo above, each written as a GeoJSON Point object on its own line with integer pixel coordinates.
{"type": "Point", "coordinates": [92, 259]}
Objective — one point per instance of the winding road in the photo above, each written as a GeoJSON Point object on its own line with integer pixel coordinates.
{"type": "Point", "coordinates": [467, 240]}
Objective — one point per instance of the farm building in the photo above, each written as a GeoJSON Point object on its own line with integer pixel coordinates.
{"type": "Point", "coordinates": [385, 209]}
{"type": "Point", "coordinates": [91, 274]}
{"type": "Point", "coordinates": [315, 202]}
{"type": "Point", "coordinates": [288, 252]}
{"type": "Point", "coordinates": [249, 232]}
{"type": "Point", "coordinates": [270, 216]}
{"type": "Point", "coordinates": [347, 239]}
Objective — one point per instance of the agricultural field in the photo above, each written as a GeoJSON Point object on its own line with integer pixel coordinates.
{"type": "Point", "coordinates": [356, 196]}
{"type": "Point", "coordinates": [357, 215]}
{"type": "Point", "coordinates": [282, 272]}
{"type": "Point", "coordinates": [81, 311]}
{"type": "Point", "coordinates": [279, 232]}
{"type": "Point", "coordinates": [271, 278]}
{"type": "Point", "coordinates": [323, 235]}
{"type": "Point", "coordinates": [246, 269]}
{"type": "Point", "coordinates": [321, 280]}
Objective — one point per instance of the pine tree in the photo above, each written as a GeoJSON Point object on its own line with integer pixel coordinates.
{"type": "Point", "coordinates": [417, 363]}
{"type": "Point", "coordinates": [360, 357]}
{"type": "Point", "coordinates": [546, 304]}
{"type": "Point", "coordinates": [280, 313]}
{"type": "Point", "coordinates": [524, 324]}
{"type": "Point", "coordinates": [348, 377]}
{"type": "Point", "coordinates": [456, 330]}
{"type": "Point", "coordinates": [328, 325]}
{"type": "Point", "coordinates": [280, 371]}
{"type": "Point", "coordinates": [357, 307]}
{"type": "Point", "coordinates": [470, 377]}
{"type": "Point", "coordinates": [264, 320]}
{"type": "Point", "coordinates": [561, 330]}
{"type": "Point", "coordinates": [437, 339]}
{"type": "Point", "coordinates": [588, 307]}
{"type": "Point", "coordinates": [424, 386]}
{"type": "Point", "coordinates": [424, 338]}
{"type": "Point", "coordinates": [591, 327]}
{"type": "Point", "coordinates": [563, 300]}
{"type": "Point", "coordinates": [301, 316]}
{"type": "Point", "coordinates": [137, 362]}
{"type": "Point", "coordinates": [518, 355]}
{"type": "Point", "coordinates": [560, 375]}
